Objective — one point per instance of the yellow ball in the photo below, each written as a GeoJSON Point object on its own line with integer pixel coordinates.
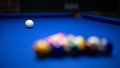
{"type": "Point", "coordinates": [41, 47]}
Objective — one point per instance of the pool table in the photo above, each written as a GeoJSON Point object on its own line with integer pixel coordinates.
{"type": "Point", "coordinates": [16, 41]}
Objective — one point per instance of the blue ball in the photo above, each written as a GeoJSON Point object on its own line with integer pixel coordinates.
{"type": "Point", "coordinates": [107, 47]}
{"type": "Point", "coordinates": [57, 50]}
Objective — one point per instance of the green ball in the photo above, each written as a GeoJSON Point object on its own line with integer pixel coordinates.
{"type": "Point", "coordinates": [73, 49]}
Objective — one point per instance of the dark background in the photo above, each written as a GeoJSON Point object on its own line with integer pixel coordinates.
{"type": "Point", "coordinates": [109, 8]}
{"type": "Point", "coordinates": [58, 5]}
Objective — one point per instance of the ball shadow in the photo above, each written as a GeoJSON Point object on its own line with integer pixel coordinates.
{"type": "Point", "coordinates": [29, 27]}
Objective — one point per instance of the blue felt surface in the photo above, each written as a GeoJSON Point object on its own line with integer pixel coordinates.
{"type": "Point", "coordinates": [16, 49]}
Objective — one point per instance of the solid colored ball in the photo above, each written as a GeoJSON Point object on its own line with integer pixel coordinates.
{"type": "Point", "coordinates": [57, 50]}
{"type": "Point", "coordinates": [42, 48]}
{"type": "Point", "coordinates": [106, 47]}
{"type": "Point", "coordinates": [91, 47]}
{"type": "Point", "coordinates": [73, 50]}
{"type": "Point", "coordinates": [29, 23]}
{"type": "Point", "coordinates": [90, 50]}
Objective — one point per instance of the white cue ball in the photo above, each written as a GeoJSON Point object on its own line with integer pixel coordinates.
{"type": "Point", "coordinates": [29, 23]}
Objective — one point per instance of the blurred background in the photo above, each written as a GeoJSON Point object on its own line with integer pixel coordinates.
{"type": "Point", "coordinates": [110, 8]}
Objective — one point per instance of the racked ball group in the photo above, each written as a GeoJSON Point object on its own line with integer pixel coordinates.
{"type": "Point", "coordinates": [61, 44]}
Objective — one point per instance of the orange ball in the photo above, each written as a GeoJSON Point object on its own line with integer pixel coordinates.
{"type": "Point", "coordinates": [42, 48]}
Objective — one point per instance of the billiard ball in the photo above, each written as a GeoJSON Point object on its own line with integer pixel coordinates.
{"type": "Point", "coordinates": [29, 23]}
{"type": "Point", "coordinates": [64, 42]}
{"type": "Point", "coordinates": [70, 37]}
{"type": "Point", "coordinates": [91, 47]}
{"type": "Point", "coordinates": [61, 34]}
{"type": "Point", "coordinates": [41, 48]}
{"type": "Point", "coordinates": [81, 42]}
{"type": "Point", "coordinates": [72, 49]}
{"type": "Point", "coordinates": [93, 40]}
{"type": "Point", "coordinates": [54, 39]}
{"type": "Point", "coordinates": [106, 47]}
{"type": "Point", "coordinates": [90, 50]}
{"type": "Point", "coordinates": [57, 50]}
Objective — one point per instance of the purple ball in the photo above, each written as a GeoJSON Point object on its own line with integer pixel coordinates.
{"type": "Point", "coordinates": [107, 46]}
